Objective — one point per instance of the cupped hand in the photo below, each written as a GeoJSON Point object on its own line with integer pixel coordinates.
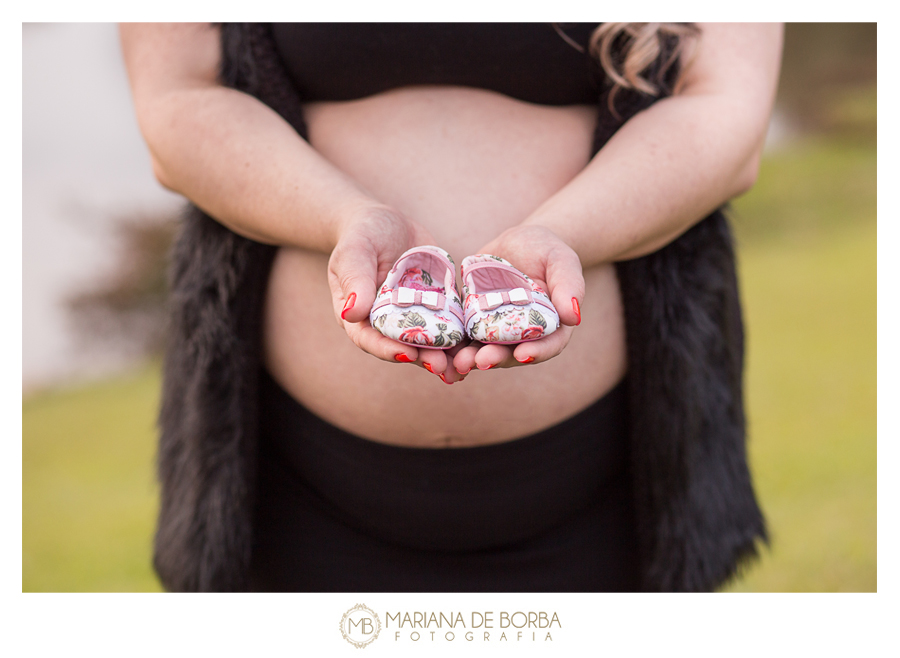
{"type": "Point", "coordinates": [369, 242]}
{"type": "Point", "coordinates": [541, 254]}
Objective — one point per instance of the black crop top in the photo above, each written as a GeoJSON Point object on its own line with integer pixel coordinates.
{"type": "Point", "coordinates": [530, 61]}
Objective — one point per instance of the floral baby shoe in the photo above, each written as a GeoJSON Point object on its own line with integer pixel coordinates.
{"type": "Point", "coordinates": [503, 305]}
{"type": "Point", "coordinates": [418, 302]}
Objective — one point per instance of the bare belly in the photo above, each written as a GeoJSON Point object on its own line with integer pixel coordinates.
{"type": "Point", "coordinates": [467, 164]}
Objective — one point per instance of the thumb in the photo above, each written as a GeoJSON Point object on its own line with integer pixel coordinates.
{"type": "Point", "coordinates": [352, 270]}
{"type": "Point", "coordinates": [565, 285]}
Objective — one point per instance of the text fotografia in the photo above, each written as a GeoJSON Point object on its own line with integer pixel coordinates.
{"type": "Point", "coordinates": [478, 626]}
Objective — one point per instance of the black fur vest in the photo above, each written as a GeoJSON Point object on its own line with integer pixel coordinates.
{"type": "Point", "coordinates": [698, 520]}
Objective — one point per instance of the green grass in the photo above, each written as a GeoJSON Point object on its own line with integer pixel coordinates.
{"type": "Point", "coordinates": [807, 192]}
{"type": "Point", "coordinates": [808, 272]}
{"type": "Point", "coordinates": [807, 239]}
{"type": "Point", "coordinates": [811, 392]}
{"type": "Point", "coordinates": [88, 490]}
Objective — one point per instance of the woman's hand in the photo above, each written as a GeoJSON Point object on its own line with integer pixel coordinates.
{"type": "Point", "coordinates": [369, 242]}
{"type": "Point", "coordinates": [555, 267]}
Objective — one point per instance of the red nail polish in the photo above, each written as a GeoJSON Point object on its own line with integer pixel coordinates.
{"type": "Point", "coordinates": [351, 301]}
{"type": "Point", "coordinates": [427, 367]}
{"type": "Point", "coordinates": [488, 368]}
{"type": "Point", "coordinates": [577, 309]}
{"type": "Point", "coordinates": [465, 373]}
{"type": "Point", "coordinates": [527, 360]}
{"type": "Point", "coordinates": [445, 381]}
{"type": "Point", "coordinates": [402, 358]}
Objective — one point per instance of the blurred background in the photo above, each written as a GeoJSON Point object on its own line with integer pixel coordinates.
{"type": "Point", "coordinates": [96, 228]}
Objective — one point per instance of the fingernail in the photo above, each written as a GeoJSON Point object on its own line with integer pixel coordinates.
{"type": "Point", "coordinates": [577, 309]}
{"type": "Point", "coordinates": [464, 373]}
{"type": "Point", "coordinates": [445, 381]}
{"type": "Point", "coordinates": [427, 367]}
{"type": "Point", "coordinates": [488, 368]}
{"type": "Point", "coordinates": [526, 360]}
{"type": "Point", "coordinates": [402, 358]}
{"type": "Point", "coordinates": [351, 300]}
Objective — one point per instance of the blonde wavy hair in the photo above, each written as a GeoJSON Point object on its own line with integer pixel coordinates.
{"type": "Point", "coordinates": [627, 52]}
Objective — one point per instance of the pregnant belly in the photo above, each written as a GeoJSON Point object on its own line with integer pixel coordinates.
{"type": "Point", "coordinates": [467, 164]}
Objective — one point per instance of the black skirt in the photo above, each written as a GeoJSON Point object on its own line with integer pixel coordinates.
{"type": "Point", "coordinates": [548, 512]}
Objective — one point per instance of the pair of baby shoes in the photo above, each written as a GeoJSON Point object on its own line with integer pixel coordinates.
{"type": "Point", "coordinates": [420, 305]}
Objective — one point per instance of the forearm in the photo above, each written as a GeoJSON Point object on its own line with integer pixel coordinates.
{"type": "Point", "coordinates": [666, 169]}
{"type": "Point", "coordinates": [671, 165]}
{"type": "Point", "coordinates": [228, 152]}
{"type": "Point", "coordinates": [244, 165]}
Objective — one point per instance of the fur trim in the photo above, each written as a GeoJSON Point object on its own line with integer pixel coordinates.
{"type": "Point", "coordinates": [698, 518]}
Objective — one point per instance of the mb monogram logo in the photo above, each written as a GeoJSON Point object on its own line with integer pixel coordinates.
{"type": "Point", "coordinates": [360, 626]}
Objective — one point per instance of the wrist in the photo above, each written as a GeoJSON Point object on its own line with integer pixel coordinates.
{"type": "Point", "coordinates": [385, 229]}
{"type": "Point", "coordinates": [589, 239]}
{"type": "Point", "coordinates": [364, 212]}
{"type": "Point", "coordinates": [544, 219]}
{"type": "Point", "coordinates": [536, 234]}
